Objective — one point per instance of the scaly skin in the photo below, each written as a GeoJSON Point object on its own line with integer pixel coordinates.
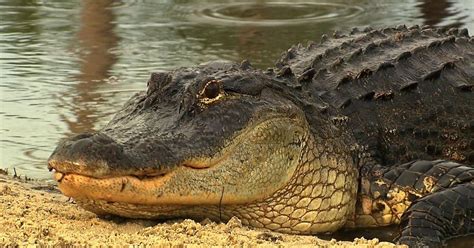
{"type": "Point", "coordinates": [339, 134]}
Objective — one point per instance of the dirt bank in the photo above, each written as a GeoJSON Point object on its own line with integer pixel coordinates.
{"type": "Point", "coordinates": [35, 213]}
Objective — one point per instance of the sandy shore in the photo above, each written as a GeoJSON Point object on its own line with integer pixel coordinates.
{"type": "Point", "coordinates": [35, 213]}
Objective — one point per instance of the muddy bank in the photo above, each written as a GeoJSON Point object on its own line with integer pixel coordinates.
{"type": "Point", "coordinates": [35, 213]}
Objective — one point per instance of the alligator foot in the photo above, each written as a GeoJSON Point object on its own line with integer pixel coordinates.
{"type": "Point", "coordinates": [431, 200]}
{"type": "Point", "coordinates": [432, 219]}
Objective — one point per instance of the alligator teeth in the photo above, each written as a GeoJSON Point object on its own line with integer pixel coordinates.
{"type": "Point", "coordinates": [58, 176]}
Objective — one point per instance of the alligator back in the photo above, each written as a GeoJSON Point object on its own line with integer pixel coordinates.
{"type": "Point", "coordinates": [405, 93]}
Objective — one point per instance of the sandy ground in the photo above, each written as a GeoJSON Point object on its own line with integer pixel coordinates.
{"type": "Point", "coordinates": [32, 213]}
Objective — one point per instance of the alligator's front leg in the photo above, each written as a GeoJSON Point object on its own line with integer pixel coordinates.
{"type": "Point", "coordinates": [439, 216]}
{"type": "Point", "coordinates": [431, 200]}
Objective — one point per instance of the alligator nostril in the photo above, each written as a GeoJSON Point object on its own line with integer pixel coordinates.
{"type": "Point", "coordinates": [87, 154]}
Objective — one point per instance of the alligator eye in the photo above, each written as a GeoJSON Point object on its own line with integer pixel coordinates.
{"type": "Point", "coordinates": [212, 89]}
{"type": "Point", "coordinates": [211, 92]}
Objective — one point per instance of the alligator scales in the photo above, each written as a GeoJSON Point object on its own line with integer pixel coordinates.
{"type": "Point", "coordinates": [367, 129]}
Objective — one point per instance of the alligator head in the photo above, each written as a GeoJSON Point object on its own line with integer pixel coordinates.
{"type": "Point", "coordinates": [214, 141]}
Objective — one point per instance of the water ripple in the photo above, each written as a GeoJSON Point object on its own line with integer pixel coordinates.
{"type": "Point", "coordinates": [274, 13]}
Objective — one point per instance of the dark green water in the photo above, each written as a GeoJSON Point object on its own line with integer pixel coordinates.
{"type": "Point", "coordinates": [67, 66]}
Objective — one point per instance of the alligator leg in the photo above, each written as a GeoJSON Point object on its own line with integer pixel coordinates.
{"type": "Point", "coordinates": [431, 200]}
{"type": "Point", "coordinates": [441, 215]}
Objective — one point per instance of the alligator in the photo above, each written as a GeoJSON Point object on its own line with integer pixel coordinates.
{"type": "Point", "coordinates": [369, 128]}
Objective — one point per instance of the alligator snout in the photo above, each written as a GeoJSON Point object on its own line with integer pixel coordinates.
{"type": "Point", "coordinates": [100, 156]}
{"type": "Point", "coordinates": [91, 154]}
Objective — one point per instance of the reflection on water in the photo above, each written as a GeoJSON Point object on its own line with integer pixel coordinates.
{"type": "Point", "coordinates": [95, 38]}
{"type": "Point", "coordinates": [66, 66]}
{"type": "Point", "coordinates": [435, 12]}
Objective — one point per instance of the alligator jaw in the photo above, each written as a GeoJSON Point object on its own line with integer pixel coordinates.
{"type": "Point", "coordinates": [143, 190]}
{"type": "Point", "coordinates": [127, 189]}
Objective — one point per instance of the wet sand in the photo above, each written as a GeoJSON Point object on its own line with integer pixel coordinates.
{"type": "Point", "coordinates": [34, 213]}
